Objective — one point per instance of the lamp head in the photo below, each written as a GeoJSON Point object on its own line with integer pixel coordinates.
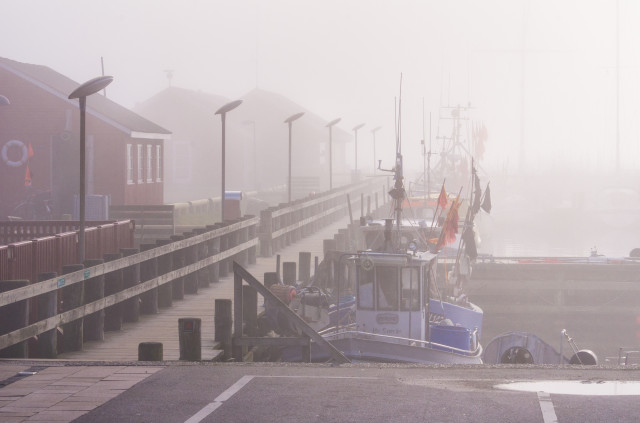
{"type": "Point", "coordinates": [294, 117]}
{"type": "Point", "coordinates": [92, 86]}
{"type": "Point", "coordinates": [333, 122]}
{"type": "Point", "coordinates": [228, 107]}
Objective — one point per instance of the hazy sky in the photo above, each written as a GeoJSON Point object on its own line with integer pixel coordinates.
{"type": "Point", "coordinates": [343, 58]}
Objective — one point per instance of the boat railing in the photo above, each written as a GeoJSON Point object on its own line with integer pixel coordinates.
{"type": "Point", "coordinates": [628, 356]}
{"type": "Point", "coordinates": [333, 333]}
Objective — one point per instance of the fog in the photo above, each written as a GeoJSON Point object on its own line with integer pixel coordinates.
{"type": "Point", "coordinates": [556, 84]}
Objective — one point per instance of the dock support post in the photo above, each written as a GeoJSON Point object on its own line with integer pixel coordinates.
{"type": "Point", "coordinates": [189, 338]}
{"type": "Point", "coordinates": [73, 297]}
{"type": "Point", "coordinates": [304, 267]}
{"type": "Point", "coordinates": [113, 283]}
{"type": "Point", "coordinates": [177, 262]}
{"type": "Point", "coordinates": [14, 316]}
{"type": "Point", "coordinates": [289, 272]}
{"type": "Point", "coordinates": [222, 322]}
{"type": "Point", "coordinates": [250, 310]}
{"type": "Point", "coordinates": [191, 257]}
{"type": "Point", "coordinates": [149, 270]}
{"type": "Point", "coordinates": [165, 264]}
{"type": "Point", "coordinates": [47, 307]}
{"type": "Point", "coordinates": [130, 277]}
{"type": "Point", "coordinates": [93, 329]}
{"type": "Point", "coordinates": [150, 351]}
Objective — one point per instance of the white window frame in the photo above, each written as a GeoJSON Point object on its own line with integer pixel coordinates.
{"type": "Point", "coordinates": [158, 163]}
{"type": "Point", "coordinates": [129, 164]}
{"type": "Point", "coordinates": [140, 164]}
{"type": "Point", "coordinates": [149, 162]}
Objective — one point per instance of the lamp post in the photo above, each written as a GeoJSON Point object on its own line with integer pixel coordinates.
{"type": "Point", "coordinates": [373, 133]}
{"type": "Point", "coordinates": [330, 125]}
{"type": "Point", "coordinates": [222, 111]}
{"type": "Point", "coordinates": [355, 131]}
{"type": "Point", "coordinates": [92, 86]}
{"type": "Point", "coordinates": [290, 120]}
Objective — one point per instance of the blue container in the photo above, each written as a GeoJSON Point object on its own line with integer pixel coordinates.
{"type": "Point", "coordinates": [452, 336]}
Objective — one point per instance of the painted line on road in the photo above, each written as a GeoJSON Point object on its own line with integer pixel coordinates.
{"type": "Point", "coordinates": [211, 407]}
{"type": "Point", "coordinates": [233, 389]}
{"type": "Point", "coordinates": [548, 413]}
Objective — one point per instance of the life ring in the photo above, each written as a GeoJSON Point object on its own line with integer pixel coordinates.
{"type": "Point", "coordinates": [366, 264]}
{"type": "Point", "coordinates": [5, 153]}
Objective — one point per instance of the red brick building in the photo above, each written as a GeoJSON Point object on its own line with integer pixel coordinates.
{"type": "Point", "coordinates": [39, 132]}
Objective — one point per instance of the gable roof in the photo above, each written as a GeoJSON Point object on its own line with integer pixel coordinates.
{"type": "Point", "coordinates": [101, 107]}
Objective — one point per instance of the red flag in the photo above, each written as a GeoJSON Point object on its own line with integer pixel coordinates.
{"type": "Point", "coordinates": [450, 227]}
{"type": "Point", "coordinates": [442, 198]}
{"type": "Point", "coordinates": [30, 153]}
{"type": "Point", "coordinates": [27, 177]}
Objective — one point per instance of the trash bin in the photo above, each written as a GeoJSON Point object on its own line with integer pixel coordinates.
{"type": "Point", "coordinates": [189, 337]}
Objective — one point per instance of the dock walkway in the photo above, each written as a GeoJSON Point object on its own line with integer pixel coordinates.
{"type": "Point", "coordinates": [122, 345]}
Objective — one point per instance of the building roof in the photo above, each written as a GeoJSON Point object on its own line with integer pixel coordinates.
{"type": "Point", "coordinates": [101, 107]}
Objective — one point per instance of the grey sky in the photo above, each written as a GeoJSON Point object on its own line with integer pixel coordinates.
{"type": "Point", "coordinates": [344, 59]}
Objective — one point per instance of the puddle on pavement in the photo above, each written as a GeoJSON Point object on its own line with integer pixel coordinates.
{"type": "Point", "coordinates": [575, 387]}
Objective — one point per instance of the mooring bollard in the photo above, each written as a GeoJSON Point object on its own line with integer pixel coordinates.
{"type": "Point", "coordinates": [289, 272]}
{"type": "Point", "coordinates": [47, 307]}
{"type": "Point", "coordinates": [14, 316]}
{"type": "Point", "coordinates": [165, 264]}
{"type": "Point", "coordinates": [72, 297]}
{"type": "Point", "coordinates": [113, 284]}
{"type": "Point", "coordinates": [271, 278]}
{"type": "Point", "coordinates": [93, 329]}
{"type": "Point", "coordinates": [130, 278]}
{"type": "Point", "coordinates": [178, 261]}
{"type": "Point", "coordinates": [304, 266]}
{"type": "Point", "coordinates": [150, 351]}
{"type": "Point", "coordinates": [189, 338]}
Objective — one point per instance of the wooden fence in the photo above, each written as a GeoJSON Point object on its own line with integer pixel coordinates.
{"type": "Point", "coordinates": [149, 277]}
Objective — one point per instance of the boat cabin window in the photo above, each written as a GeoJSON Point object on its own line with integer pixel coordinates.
{"type": "Point", "coordinates": [365, 288]}
{"type": "Point", "coordinates": [387, 283]}
{"type": "Point", "coordinates": [410, 300]}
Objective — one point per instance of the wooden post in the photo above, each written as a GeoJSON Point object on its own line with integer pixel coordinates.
{"type": "Point", "coordinates": [72, 297]}
{"type": "Point", "coordinates": [113, 283]}
{"type": "Point", "coordinates": [189, 338]}
{"type": "Point", "coordinates": [223, 266]}
{"type": "Point", "coordinates": [252, 235]}
{"type": "Point", "coordinates": [191, 257]}
{"type": "Point", "coordinates": [271, 278]}
{"type": "Point", "coordinates": [328, 245]}
{"type": "Point", "coordinates": [130, 277]}
{"type": "Point", "coordinates": [265, 231]}
{"type": "Point", "coordinates": [278, 266]}
{"type": "Point", "coordinates": [204, 250]}
{"type": "Point", "coordinates": [165, 264]}
{"type": "Point", "coordinates": [250, 310]}
{"type": "Point", "coordinates": [289, 272]}
{"type": "Point", "coordinates": [150, 351]}
{"type": "Point", "coordinates": [222, 322]}
{"type": "Point", "coordinates": [47, 344]}
{"type": "Point", "coordinates": [93, 329]}
{"type": "Point", "coordinates": [14, 316]}
{"type": "Point", "coordinates": [149, 270]}
{"type": "Point", "coordinates": [237, 315]}
{"type": "Point", "coordinates": [178, 262]}
{"type": "Point", "coordinates": [304, 267]}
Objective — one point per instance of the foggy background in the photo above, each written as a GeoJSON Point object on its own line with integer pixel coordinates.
{"type": "Point", "coordinates": [549, 79]}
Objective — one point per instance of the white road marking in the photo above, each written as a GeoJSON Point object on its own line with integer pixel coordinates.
{"type": "Point", "coordinates": [548, 413]}
{"type": "Point", "coordinates": [233, 389]}
{"type": "Point", "coordinates": [211, 407]}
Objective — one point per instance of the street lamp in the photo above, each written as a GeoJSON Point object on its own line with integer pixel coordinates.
{"type": "Point", "coordinates": [290, 120]}
{"type": "Point", "coordinates": [222, 111]}
{"type": "Point", "coordinates": [330, 125]}
{"type": "Point", "coordinates": [4, 101]}
{"type": "Point", "coordinates": [373, 132]}
{"type": "Point", "coordinates": [355, 131]}
{"type": "Point", "coordinates": [81, 93]}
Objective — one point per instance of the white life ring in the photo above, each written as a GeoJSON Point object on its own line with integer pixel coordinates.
{"type": "Point", "coordinates": [5, 153]}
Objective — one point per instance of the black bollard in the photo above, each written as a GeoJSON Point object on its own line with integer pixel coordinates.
{"type": "Point", "coordinates": [304, 267]}
{"type": "Point", "coordinates": [289, 272]}
{"type": "Point", "coordinates": [222, 322]}
{"type": "Point", "coordinates": [150, 351]}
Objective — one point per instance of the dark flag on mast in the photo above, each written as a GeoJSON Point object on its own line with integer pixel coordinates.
{"type": "Point", "coordinates": [486, 203]}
